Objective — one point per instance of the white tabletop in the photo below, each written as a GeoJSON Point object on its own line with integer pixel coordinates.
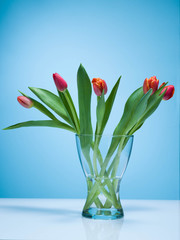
{"type": "Point", "coordinates": [61, 219]}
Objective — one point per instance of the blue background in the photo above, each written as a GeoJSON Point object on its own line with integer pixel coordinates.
{"type": "Point", "coordinates": [135, 39]}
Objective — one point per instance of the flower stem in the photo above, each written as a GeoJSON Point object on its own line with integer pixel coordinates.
{"type": "Point", "coordinates": [106, 180]}
{"type": "Point", "coordinates": [94, 190]}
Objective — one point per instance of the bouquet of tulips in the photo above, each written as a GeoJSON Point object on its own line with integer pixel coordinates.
{"type": "Point", "coordinates": [139, 106]}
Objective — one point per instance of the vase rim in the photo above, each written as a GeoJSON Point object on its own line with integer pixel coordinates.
{"type": "Point", "coordinates": [106, 135]}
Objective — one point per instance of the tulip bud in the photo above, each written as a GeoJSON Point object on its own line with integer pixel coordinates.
{"type": "Point", "coordinates": [25, 102]}
{"type": "Point", "coordinates": [150, 83]}
{"type": "Point", "coordinates": [169, 92]}
{"type": "Point", "coordinates": [99, 85]}
{"type": "Point", "coordinates": [60, 83]}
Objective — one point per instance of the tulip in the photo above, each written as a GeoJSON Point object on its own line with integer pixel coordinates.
{"type": "Point", "coordinates": [99, 85]}
{"type": "Point", "coordinates": [25, 102]}
{"type": "Point", "coordinates": [150, 83]}
{"type": "Point", "coordinates": [169, 92]}
{"type": "Point", "coordinates": [60, 83]}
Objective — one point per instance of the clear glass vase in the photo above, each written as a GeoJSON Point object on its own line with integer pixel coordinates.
{"type": "Point", "coordinates": [104, 159]}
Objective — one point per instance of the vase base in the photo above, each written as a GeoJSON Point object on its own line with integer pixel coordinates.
{"type": "Point", "coordinates": [103, 213]}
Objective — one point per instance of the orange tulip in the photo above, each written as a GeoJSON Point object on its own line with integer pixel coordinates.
{"type": "Point", "coordinates": [152, 82]}
{"type": "Point", "coordinates": [169, 92]}
{"type": "Point", "coordinates": [99, 85]}
{"type": "Point", "coordinates": [25, 102]}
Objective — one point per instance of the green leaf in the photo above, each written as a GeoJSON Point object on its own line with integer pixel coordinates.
{"type": "Point", "coordinates": [84, 100]}
{"type": "Point", "coordinates": [135, 128]}
{"type": "Point", "coordinates": [40, 107]}
{"type": "Point", "coordinates": [73, 110]}
{"type": "Point", "coordinates": [41, 123]}
{"type": "Point", "coordinates": [109, 104]}
{"type": "Point", "coordinates": [100, 110]}
{"type": "Point", "coordinates": [52, 101]}
{"type": "Point", "coordinates": [66, 107]}
{"type": "Point", "coordinates": [153, 103]}
{"type": "Point", "coordinates": [134, 109]}
{"type": "Point", "coordinates": [140, 109]}
{"type": "Point", "coordinates": [70, 109]}
{"type": "Point", "coordinates": [129, 111]}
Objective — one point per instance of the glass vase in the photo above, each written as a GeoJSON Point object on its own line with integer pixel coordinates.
{"type": "Point", "coordinates": [104, 159]}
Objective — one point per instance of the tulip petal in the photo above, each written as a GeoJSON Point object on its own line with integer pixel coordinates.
{"type": "Point", "coordinates": [97, 90]}
{"type": "Point", "coordinates": [152, 82]}
{"type": "Point", "coordinates": [146, 86]}
{"type": "Point", "coordinates": [169, 92]}
{"type": "Point", "coordinates": [104, 86]}
{"type": "Point", "coordinates": [60, 83]}
{"type": "Point", "coordinates": [40, 107]}
{"type": "Point", "coordinates": [25, 102]}
{"type": "Point", "coordinates": [99, 85]}
{"type": "Point", "coordinates": [154, 86]}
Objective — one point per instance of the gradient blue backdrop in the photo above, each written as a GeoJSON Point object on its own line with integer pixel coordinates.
{"type": "Point", "coordinates": [135, 39]}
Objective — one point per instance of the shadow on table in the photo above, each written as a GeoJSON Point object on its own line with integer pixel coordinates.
{"type": "Point", "coordinates": [137, 208]}
{"type": "Point", "coordinates": [63, 214]}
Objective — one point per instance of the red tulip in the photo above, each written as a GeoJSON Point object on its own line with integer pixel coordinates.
{"type": "Point", "coordinates": [25, 102]}
{"type": "Point", "coordinates": [169, 92]}
{"type": "Point", "coordinates": [60, 83]}
{"type": "Point", "coordinates": [99, 85]}
{"type": "Point", "coordinates": [150, 83]}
